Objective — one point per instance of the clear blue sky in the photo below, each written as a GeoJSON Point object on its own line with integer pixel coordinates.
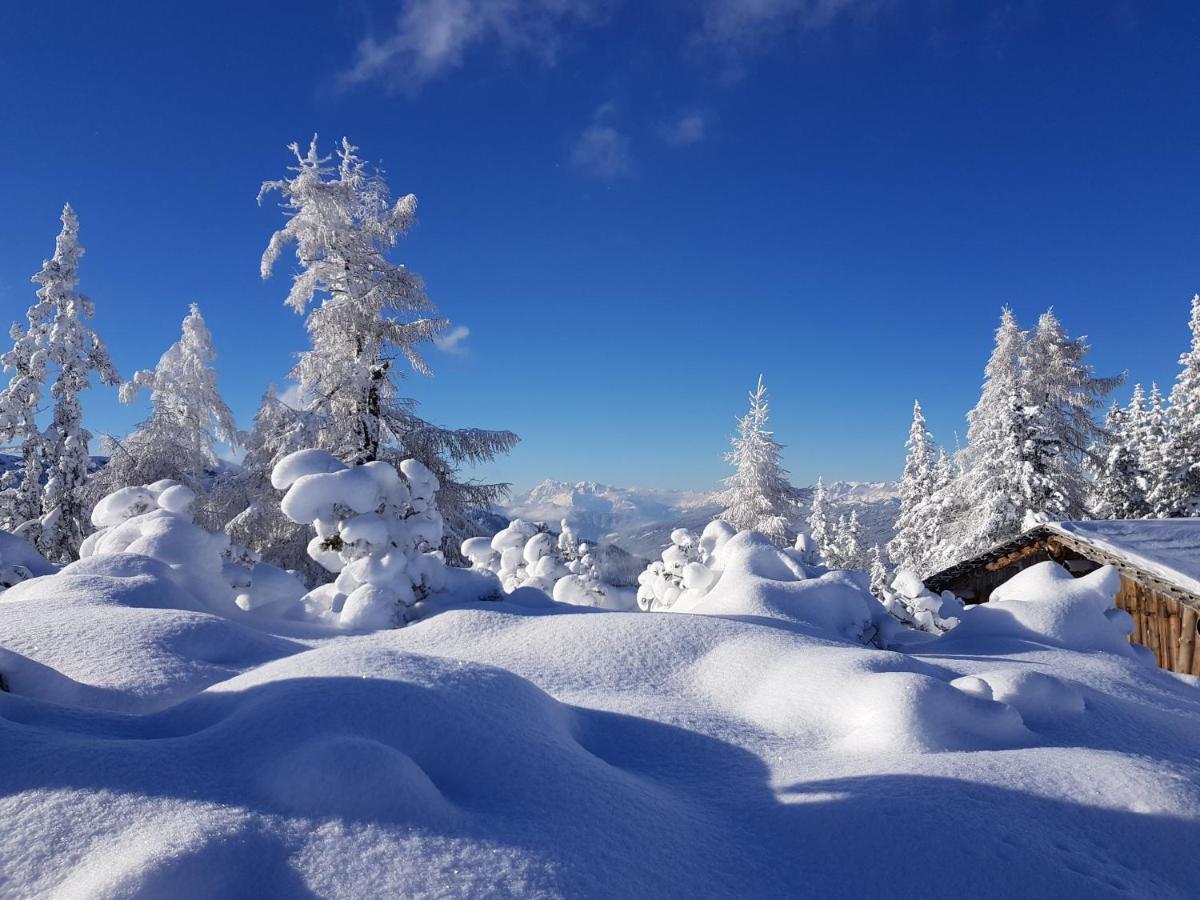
{"type": "Point", "coordinates": [634, 207]}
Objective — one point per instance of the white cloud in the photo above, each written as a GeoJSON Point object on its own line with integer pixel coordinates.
{"type": "Point", "coordinates": [688, 128]}
{"type": "Point", "coordinates": [454, 340]}
{"type": "Point", "coordinates": [602, 151]}
{"type": "Point", "coordinates": [432, 37]}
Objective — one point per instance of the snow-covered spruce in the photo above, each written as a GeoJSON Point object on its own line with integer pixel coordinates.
{"type": "Point", "coordinates": [187, 418]}
{"type": "Point", "coordinates": [364, 311]}
{"type": "Point", "coordinates": [378, 531]}
{"type": "Point", "coordinates": [57, 341]}
{"type": "Point", "coordinates": [758, 496]}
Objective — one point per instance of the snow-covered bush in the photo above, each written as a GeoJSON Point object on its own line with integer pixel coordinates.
{"type": "Point", "coordinates": [583, 585]}
{"type": "Point", "coordinates": [378, 531]}
{"type": "Point", "coordinates": [917, 607]}
{"type": "Point", "coordinates": [526, 554]}
{"type": "Point", "coordinates": [690, 566]}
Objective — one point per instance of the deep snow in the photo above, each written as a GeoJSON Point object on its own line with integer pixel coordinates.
{"type": "Point", "coordinates": [749, 747]}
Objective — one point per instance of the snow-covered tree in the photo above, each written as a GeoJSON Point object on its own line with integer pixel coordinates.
{"type": "Point", "coordinates": [20, 402]}
{"type": "Point", "coordinates": [363, 312]}
{"type": "Point", "coordinates": [187, 417]}
{"type": "Point", "coordinates": [991, 488]}
{"type": "Point", "coordinates": [879, 572]}
{"type": "Point", "coordinates": [73, 351]}
{"type": "Point", "coordinates": [758, 496]}
{"type": "Point", "coordinates": [846, 550]}
{"type": "Point", "coordinates": [1164, 468]}
{"type": "Point", "coordinates": [1118, 482]}
{"type": "Point", "coordinates": [1059, 397]}
{"type": "Point", "coordinates": [916, 526]}
{"type": "Point", "coordinates": [820, 525]}
{"type": "Point", "coordinates": [1185, 407]}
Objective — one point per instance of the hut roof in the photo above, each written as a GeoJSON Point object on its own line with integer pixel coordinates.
{"type": "Point", "coordinates": [1168, 550]}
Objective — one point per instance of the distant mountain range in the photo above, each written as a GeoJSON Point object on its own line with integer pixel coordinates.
{"type": "Point", "coordinates": [641, 520]}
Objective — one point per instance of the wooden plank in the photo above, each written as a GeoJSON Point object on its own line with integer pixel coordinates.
{"type": "Point", "coordinates": [1175, 633]}
{"type": "Point", "coordinates": [1187, 639]}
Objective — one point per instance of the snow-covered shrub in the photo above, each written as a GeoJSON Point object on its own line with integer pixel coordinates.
{"type": "Point", "coordinates": [583, 585]}
{"type": "Point", "coordinates": [916, 606]}
{"type": "Point", "coordinates": [690, 566]}
{"type": "Point", "coordinates": [155, 520]}
{"type": "Point", "coordinates": [378, 531]}
{"type": "Point", "coordinates": [527, 555]}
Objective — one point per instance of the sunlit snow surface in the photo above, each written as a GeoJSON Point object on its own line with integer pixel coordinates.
{"type": "Point", "coordinates": [750, 748]}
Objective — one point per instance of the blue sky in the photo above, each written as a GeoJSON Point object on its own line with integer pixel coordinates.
{"type": "Point", "coordinates": [634, 208]}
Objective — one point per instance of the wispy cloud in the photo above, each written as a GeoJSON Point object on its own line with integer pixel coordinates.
{"type": "Point", "coordinates": [291, 396]}
{"type": "Point", "coordinates": [688, 128]}
{"type": "Point", "coordinates": [748, 24]}
{"type": "Point", "coordinates": [454, 340]}
{"type": "Point", "coordinates": [431, 37]}
{"type": "Point", "coordinates": [602, 150]}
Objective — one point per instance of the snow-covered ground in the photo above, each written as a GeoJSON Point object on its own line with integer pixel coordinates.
{"type": "Point", "coordinates": [754, 747]}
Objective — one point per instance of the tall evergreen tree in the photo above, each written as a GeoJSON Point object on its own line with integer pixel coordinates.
{"type": "Point", "coordinates": [996, 439]}
{"type": "Point", "coordinates": [758, 495]}
{"type": "Point", "coordinates": [1059, 395]}
{"type": "Point", "coordinates": [1118, 483]}
{"type": "Point", "coordinates": [820, 527]}
{"type": "Point", "coordinates": [75, 351]}
{"type": "Point", "coordinates": [1185, 406]}
{"type": "Point", "coordinates": [915, 528]}
{"type": "Point", "coordinates": [363, 312]}
{"type": "Point", "coordinates": [1164, 469]}
{"type": "Point", "coordinates": [20, 402]}
{"type": "Point", "coordinates": [187, 418]}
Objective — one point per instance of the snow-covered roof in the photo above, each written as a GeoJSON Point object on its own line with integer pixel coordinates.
{"type": "Point", "coordinates": [1165, 548]}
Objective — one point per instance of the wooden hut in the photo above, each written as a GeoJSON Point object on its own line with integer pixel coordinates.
{"type": "Point", "coordinates": [1159, 562]}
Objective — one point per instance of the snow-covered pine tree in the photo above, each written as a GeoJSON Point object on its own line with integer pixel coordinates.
{"type": "Point", "coordinates": [996, 437]}
{"type": "Point", "coordinates": [1060, 395]}
{"type": "Point", "coordinates": [758, 496]}
{"type": "Point", "coordinates": [364, 311]}
{"type": "Point", "coordinates": [20, 402]}
{"type": "Point", "coordinates": [820, 528]}
{"type": "Point", "coordinates": [75, 351]}
{"type": "Point", "coordinates": [1185, 408]}
{"type": "Point", "coordinates": [846, 547]}
{"type": "Point", "coordinates": [915, 527]}
{"type": "Point", "coordinates": [1118, 482]}
{"type": "Point", "coordinates": [1161, 461]}
{"type": "Point", "coordinates": [879, 572]}
{"type": "Point", "coordinates": [187, 418]}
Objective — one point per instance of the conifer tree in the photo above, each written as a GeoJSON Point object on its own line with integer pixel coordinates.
{"type": "Point", "coordinates": [1118, 484]}
{"type": "Point", "coordinates": [1185, 407]}
{"type": "Point", "coordinates": [758, 496]}
{"type": "Point", "coordinates": [363, 313]}
{"type": "Point", "coordinates": [914, 537]}
{"type": "Point", "coordinates": [1164, 470]}
{"type": "Point", "coordinates": [879, 572]}
{"type": "Point", "coordinates": [20, 402]}
{"type": "Point", "coordinates": [75, 351]}
{"type": "Point", "coordinates": [819, 524]}
{"type": "Point", "coordinates": [187, 418]}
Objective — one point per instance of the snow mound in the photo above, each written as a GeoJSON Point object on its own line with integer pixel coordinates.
{"type": "Point", "coordinates": [1045, 604]}
{"type": "Point", "coordinates": [1041, 699]}
{"type": "Point", "coordinates": [20, 561]}
{"type": "Point", "coordinates": [759, 580]}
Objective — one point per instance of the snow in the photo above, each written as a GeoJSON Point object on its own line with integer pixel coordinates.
{"type": "Point", "coordinates": [154, 746]}
{"type": "Point", "coordinates": [1167, 548]}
